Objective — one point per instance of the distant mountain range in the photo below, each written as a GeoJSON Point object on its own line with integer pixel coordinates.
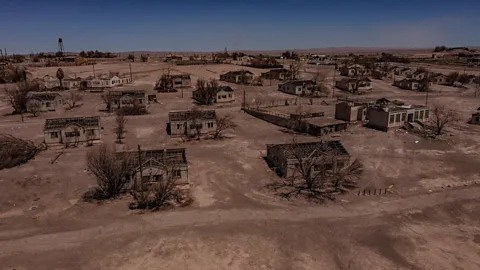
{"type": "Point", "coordinates": [328, 50]}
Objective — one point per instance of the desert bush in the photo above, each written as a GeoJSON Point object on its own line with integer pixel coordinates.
{"type": "Point", "coordinates": [15, 151]}
{"type": "Point", "coordinates": [135, 109]}
{"type": "Point", "coordinates": [110, 170]}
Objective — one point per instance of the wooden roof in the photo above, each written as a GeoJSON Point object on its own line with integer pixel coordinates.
{"type": "Point", "coordinates": [58, 123]}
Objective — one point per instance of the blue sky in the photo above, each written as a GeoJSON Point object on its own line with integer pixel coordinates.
{"type": "Point", "coordinates": [188, 25]}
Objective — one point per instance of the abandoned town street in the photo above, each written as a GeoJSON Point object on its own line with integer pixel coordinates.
{"type": "Point", "coordinates": [416, 206]}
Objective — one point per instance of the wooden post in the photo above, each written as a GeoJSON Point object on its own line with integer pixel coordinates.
{"type": "Point", "coordinates": [131, 78]}
{"type": "Point", "coordinates": [93, 65]}
{"type": "Point", "coordinates": [141, 168]}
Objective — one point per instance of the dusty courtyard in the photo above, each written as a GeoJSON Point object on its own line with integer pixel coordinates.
{"type": "Point", "coordinates": [430, 220]}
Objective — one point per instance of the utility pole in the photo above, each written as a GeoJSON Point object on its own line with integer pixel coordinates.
{"type": "Point", "coordinates": [93, 66]}
{"type": "Point", "coordinates": [141, 169]}
{"type": "Point", "coordinates": [130, 66]}
{"type": "Point", "coordinates": [244, 96]}
{"type": "Point", "coordinates": [333, 83]}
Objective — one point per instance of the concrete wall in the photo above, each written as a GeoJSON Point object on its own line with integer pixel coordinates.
{"type": "Point", "coordinates": [296, 125]}
{"type": "Point", "coordinates": [377, 119]}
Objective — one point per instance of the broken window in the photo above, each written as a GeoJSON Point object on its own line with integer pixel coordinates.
{"type": "Point", "coordinates": [426, 114]}
{"type": "Point", "coordinates": [210, 125]}
{"type": "Point", "coordinates": [397, 118]}
{"type": "Point", "coordinates": [47, 104]}
{"type": "Point", "coordinates": [421, 114]}
{"type": "Point", "coordinates": [177, 174]}
{"type": "Point", "coordinates": [90, 132]}
{"type": "Point", "coordinates": [416, 115]}
{"type": "Point", "coordinates": [179, 126]}
{"type": "Point", "coordinates": [392, 119]}
{"type": "Point", "coordinates": [404, 116]}
{"type": "Point", "coordinates": [53, 135]}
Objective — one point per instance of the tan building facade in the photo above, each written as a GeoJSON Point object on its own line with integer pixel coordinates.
{"type": "Point", "coordinates": [394, 116]}
{"type": "Point", "coordinates": [241, 76]}
{"type": "Point", "coordinates": [159, 165]}
{"type": "Point", "coordinates": [223, 94]}
{"type": "Point", "coordinates": [47, 101]}
{"type": "Point", "coordinates": [350, 111]}
{"type": "Point", "coordinates": [285, 158]}
{"type": "Point", "coordinates": [189, 123]}
{"type": "Point", "coordinates": [297, 87]}
{"type": "Point", "coordinates": [72, 131]}
{"type": "Point", "coordinates": [126, 98]}
{"type": "Point", "coordinates": [354, 85]}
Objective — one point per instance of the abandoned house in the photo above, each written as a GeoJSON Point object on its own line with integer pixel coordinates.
{"type": "Point", "coordinates": [476, 118]}
{"type": "Point", "coordinates": [440, 79]}
{"type": "Point", "coordinates": [47, 101]}
{"type": "Point", "coordinates": [285, 158]}
{"type": "Point", "coordinates": [393, 115]}
{"type": "Point", "coordinates": [49, 82]}
{"type": "Point", "coordinates": [354, 70]}
{"type": "Point", "coordinates": [297, 87]}
{"type": "Point", "coordinates": [71, 83]}
{"type": "Point", "coordinates": [354, 85]}
{"type": "Point", "coordinates": [223, 94]}
{"type": "Point", "coordinates": [240, 76]}
{"type": "Point", "coordinates": [418, 75]}
{"type": "Point", "coordinates": [351, 111]}
{"type": "Point", "coordinates": [157, 165]}
{"type": "Point", "coordinates": [409, 84]}
{"type": "Point", "coordinates": [277, 74]}
{"type": "Point", "coordinates": [72, 130]}
{"type": "Point", "coordinates": [174, 81]}
{"type": "Point", "coordinates": [190, 123]}
{"type": "Point", "coordinates": [107, 81]}
{"type": "Point", "coordinates": [124, 98]}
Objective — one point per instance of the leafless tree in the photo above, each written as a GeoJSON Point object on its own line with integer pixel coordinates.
{"type": "Point", "coordinates": [107, 99]}
{"type": "Point", "coordinates": [317, 173]}
{"type": "Point", "coordinates": [477, 86]}
{"type": "Point", "coordinates": [452, 77]}
{"type": "Point", "coordinates": [120, 121]}
{"type": "Point", "coordinates": [223, 123]}
{"type": "Point", "coordinates": [110, 170]}
{"type": "Point", "coordinates": [18, 96]}
{"type": "Point", "coordinates": [294, 70]}
{"type": "Point", "coordinates": [165, 84]}
{"type": "Point", "coordinates": [34, 107]}
{"type": "Point", "coordinates": [73, 99]}
{"type": "Point", "coordinates": [464, 78]}
{"type": "Point", "coordinates": [15, 151]}
{"type": "Point", "coordinates": [441, 117]}
{"type": "Point", "coordinates": [135, 108]}
{"type": "Point", "coordinates": [60, 76]}
{"type": "Point", "coordinates": [258, 103]}
{"type": "Point", "coordinates": [208, 90]}
{"type": "Point", "coordinates": [319, 77]}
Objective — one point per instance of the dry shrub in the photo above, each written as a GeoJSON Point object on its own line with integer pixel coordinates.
{"type": "Point", "coordinates": [135, 109]}
{"type": "Point", "coordinates": [15, 151]}
{"type": "Point", "coordinates": [110, 170]}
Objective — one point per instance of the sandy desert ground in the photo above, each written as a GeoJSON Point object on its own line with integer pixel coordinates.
{"type": "Point", "coordinates": [429, 221]}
